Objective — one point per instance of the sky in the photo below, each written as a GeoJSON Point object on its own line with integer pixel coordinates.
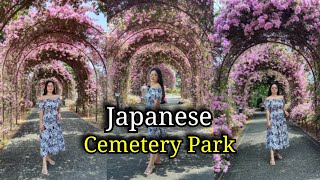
{"type": "Point", "coordinates": [101, 19]}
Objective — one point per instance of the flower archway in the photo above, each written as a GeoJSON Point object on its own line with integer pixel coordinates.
{"type": "Point", "coordinates": [138, 78]}
{"type": "Point", "coordinates": [41, 84]}
{"type": "Point", "coordinates": [199, 11]}
{"type": "Point", "coordinates": [154, 36]}
{"type": "Point", "coordinates": [161, 23]}
{"type": "Point", "coordinates": [250, 23]}
{"type": "Point", "coordinates": [270, 57]}
{"type": "Point", "coordinates": [55, 32]}
{"type": "Point", "coordinates": [244, 24]}
{"type": "Point", "coordinates": [263, 79]}
{"type": "Point", "coordinates": [155, 54]}
{"type": "Point", "coordinates": [47, 70]}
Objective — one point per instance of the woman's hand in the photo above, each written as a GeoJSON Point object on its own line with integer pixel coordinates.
{"type": "Point", "coordinates": [287, 114]}
{"type": "Point", "coordinates": [59, 116]}
{"type": "Point", "coordinates": [41, 127]}
{"type": "Point", "coordinates": [156, 105]}
{"type": "Point", "coordinates": [269, 124]}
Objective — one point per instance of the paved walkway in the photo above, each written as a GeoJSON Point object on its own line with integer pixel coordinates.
{"type": "Point", "coordinates": [21, 158]}
{"type": "Point", "coordinates": [300, 161]}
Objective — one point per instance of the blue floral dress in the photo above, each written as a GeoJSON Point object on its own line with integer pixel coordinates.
{"type": "Point", "coordinates": [51, 139]}
{"type": "Point", "coordinates": [277, 136]}
{"type": "Point", "coordinates": [152, 95]}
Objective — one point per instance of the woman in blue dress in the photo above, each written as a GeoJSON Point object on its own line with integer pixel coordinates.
{"type": "Point", "coordinates": [153, 98]}
{"type": "Point", "coordinates": [51, 138]}
{"type": "Point", "coordinates": [277, 132]}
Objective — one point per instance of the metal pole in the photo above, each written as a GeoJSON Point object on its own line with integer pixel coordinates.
{"type": "Point", "coordinates": [117, 103]}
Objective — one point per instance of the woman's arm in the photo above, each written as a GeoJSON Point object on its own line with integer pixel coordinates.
{"type": "Point", "coordinates": [59, 109]}
{"type": "Point", "coordinates": [41, 120]}
{"type": "Point", "coordinates": [284, 110]}
{"type": "Point", "coordinates": [266, 105]}
{"type": "Point", "coordinates": [268, 118]}
{"type": "Point", "coordinates": [40, 114]}
{"type": "Point", "coordinates": [59, 114]}
{"type": "Point", "coordinates": [156, 104]}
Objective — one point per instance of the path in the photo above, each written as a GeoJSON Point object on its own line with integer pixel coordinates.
{"type": "Point", "coordinates": [173, 99]}
{"type": "Point", "coordinates": [21, 158]}
{"type": "Point", "coordinates": [300, 161]}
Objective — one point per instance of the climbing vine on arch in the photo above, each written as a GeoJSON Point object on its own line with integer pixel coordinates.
{"type": "Point", "coordinates": [268, 57]}
{"type": "Point", "coordinates": [244, 24]}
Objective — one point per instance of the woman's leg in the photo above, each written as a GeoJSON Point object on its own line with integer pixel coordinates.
{"type": "Point", "coordinates": [44, 166]}
{"type": "Point", "coordinates": [158, 160]}
{"type": "Point", "coordinates": [277, 154]}
{"type": "Point", "coordinates": [151, 166]}
{"type": "Point", "coordinates": [51, 162]}
{"type": "Point", "coordinates": [272, 162]}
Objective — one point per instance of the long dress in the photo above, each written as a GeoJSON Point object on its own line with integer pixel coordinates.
{"type": "Point", "coordinates": [277, 136]}
{"type": "Point", "coordinates": [152, 95]}
{"type": "Point", "coordinates": [51, 139]}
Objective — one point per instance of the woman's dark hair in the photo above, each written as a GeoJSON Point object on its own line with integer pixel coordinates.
{"type": "Point", "coordinates": [45, 88]}
{"type": "Point", "coordinates": [270, 93]}
{"type": "Point", "coordinates": [160, 81]}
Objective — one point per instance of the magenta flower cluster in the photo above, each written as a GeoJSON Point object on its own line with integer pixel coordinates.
{"type": "Point", "coordinates": [250, 16]}
{"type": "Point", "coordinates": [219, 104]}
{"type": "Point", "coordinates": [27, 103]}
{"type": "Point", "coordinates": [220, 164]}
{"type": "Point", "coordinates": [268, 57]}
{"type": "Point", "coordinates": [301, 111]}
{"type": "Point", "coordinates": [238, 120]}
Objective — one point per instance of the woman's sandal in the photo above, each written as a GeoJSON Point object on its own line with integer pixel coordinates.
{"type": "Point", "coordinates": [149, 170]}
{"type": "Point", "coordinates": [272, 163]}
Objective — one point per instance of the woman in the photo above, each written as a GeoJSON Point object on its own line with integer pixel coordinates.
{"type": "Point", "coordinates": [153, 99]}
{"type": "Point", "coordinates": [277, 133]}
{"type": "Point", "coordinates": [51, 138]}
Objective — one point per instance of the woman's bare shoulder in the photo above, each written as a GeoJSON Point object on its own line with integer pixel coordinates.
{"type": "Point", "coordinates": [156, 85]}
{"type": "Point", "coordinates": [47, 97]}
{"type": "Point", "coordinates": [278, 97]}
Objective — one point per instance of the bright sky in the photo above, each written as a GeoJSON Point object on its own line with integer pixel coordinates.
{"type": "Point", "coordinates": [101, 19]}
